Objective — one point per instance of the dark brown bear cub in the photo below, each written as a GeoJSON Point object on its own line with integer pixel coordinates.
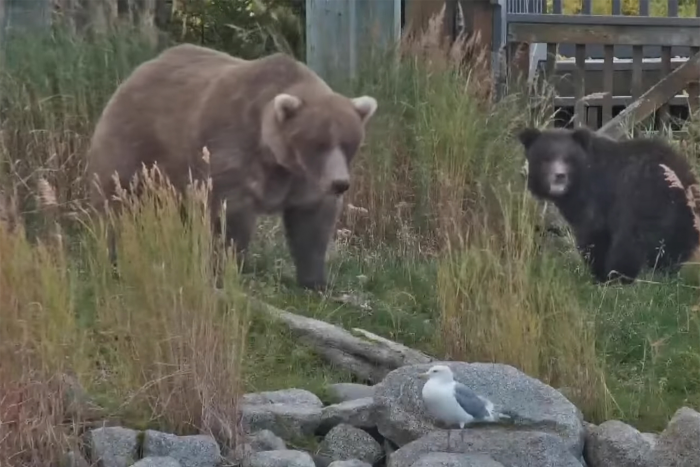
{"type": "Point", "coordinates": [623, 212]}
{"type": "Point", "coordinates": [281, 141]}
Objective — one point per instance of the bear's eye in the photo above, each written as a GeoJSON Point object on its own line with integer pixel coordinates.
{"type": "Point", "coordinates": [349, 149]}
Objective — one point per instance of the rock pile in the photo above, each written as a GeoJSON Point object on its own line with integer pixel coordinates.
{"type": "Point", "coordinates": [386, 425]}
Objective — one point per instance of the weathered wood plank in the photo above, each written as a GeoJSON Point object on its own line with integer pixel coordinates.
{"type": "Point", "coordinates": [694, 87]}
{"type": "Point", "coordinates": [616, 7]}
{"type": "Point", "coordinates": [604, 20]}
{"type": "Point", "coordinates": [609, 70]}
{"type": "Point", "coordinates": [601, 34]}
{"type": "Point", "coordinates": [551, 59]}
{"type": "Point", "coordinates": [608, 83]}
{"type": "Point", "coordinates": [419, 13]}
{"type": "Point", "coordinates": [657, 95]}
{"type": "Point", "coordinates": [643, 7]}
{"type": "Point", "coordinates": [586, 7]}
{"type": "Point", "coordinates": [580, 84]}
{"type": "Point", "coordinates": [597, 100]}
{"type": "Point", "coordinates": [666, 63]}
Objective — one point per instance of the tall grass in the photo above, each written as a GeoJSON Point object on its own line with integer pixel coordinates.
{"type": "Point", "coordinates": [54, 84]}
{"type": "Point", "coordinates": [154, 345]}
{"type": "Point", "coordinates": [441, 173]}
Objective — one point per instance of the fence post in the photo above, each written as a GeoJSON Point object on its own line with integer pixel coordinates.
{"type": "Point", "coordinates": [340, 34]}
{"type": "Point", "coordinates": [498, 44]}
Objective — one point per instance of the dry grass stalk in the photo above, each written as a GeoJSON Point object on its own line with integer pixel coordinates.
{"type": "Point", "coordinates": [692, 194]}
{"type": "Point", "coordinates": [161, 345]}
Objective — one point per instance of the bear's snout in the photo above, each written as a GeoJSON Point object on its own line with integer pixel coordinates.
{"type": "Point", "coordinates": [340, 186]}
{"type": "Point", "coordinates": [560, 178]}
{"type": "Point", "coordinates": [336, 173]}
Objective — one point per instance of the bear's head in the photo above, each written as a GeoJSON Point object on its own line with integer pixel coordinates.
{"type": "Point", "coordinates": [317, 136]}
{"type": "Point", "coordinates": [556, 160]}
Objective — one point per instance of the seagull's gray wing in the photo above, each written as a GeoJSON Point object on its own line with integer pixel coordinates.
{"type": "Point", "coordinates": [470, 401]}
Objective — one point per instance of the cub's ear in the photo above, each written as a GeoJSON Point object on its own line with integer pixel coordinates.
{"type": "Point", "coordinates": [286, 106]}
{"type": "Point", "coordinates": [365, 107]}
{"type": "Point", "coordinates": [528, 136]}
{"type": "Point", "coordinates": [583, 137]}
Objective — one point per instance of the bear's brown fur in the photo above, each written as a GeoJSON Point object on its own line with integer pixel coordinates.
{"type": "Point", "coordinates": [280, 141]}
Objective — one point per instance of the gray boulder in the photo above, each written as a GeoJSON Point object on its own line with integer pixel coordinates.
{"type": "Point", "coordinates": [283, 396]}
{"type": "Point", "coordinates": [343, 392]}
{"type": "Point", "coordinates": [157, 462]}
{"type": "Point", "coordinates": [281, 458]}
{"type": "Point", "coordinates": [650, 438]}
{"type": "Point", "coordinates": [616, 444]}
{"type": "Point", "coordinates": [265, 440]}
{"type": "Point", "coordinates": [532, 405]}
{"type": "Point", "coordinates": [189, 451]}
{"type": "Point", "coordinates": [113, 446]}
{"type": "Point", "coordinates": [289, 413]}
{"type": "Point", "coordinates": [358, 413]}
{"type": "Point", "coordinates": [511, 448]}
{"type": "Point", "coordinates": [346, 442]}
{"type": "Point", "coordinates": [448, 459]}
{"type": "Point", "coordinates": [678, 445]}
{"type": "Point", "coordinates": [349, 463]}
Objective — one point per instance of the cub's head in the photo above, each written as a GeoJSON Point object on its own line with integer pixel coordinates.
{"type": "Point", "coordinates": [556, 160]}
{"type": "Point", "coordinates": [318, 135]}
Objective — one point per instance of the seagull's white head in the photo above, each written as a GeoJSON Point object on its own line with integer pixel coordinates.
{"type": "Point", "coordinates": [441, 373]}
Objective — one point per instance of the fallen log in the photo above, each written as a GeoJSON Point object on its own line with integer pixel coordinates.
{"type": "Point", "coordinates": [367, 356]}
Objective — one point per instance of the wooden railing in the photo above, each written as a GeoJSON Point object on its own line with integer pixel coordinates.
{"type": "Point", "coordinates": [610, 31]}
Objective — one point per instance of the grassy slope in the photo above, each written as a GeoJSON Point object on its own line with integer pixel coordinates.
{"type": "Point", "coordinates": [446, 257]}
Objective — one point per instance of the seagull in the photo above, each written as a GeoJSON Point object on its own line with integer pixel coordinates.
{"type": "Point", "coordinates": [452, 402]}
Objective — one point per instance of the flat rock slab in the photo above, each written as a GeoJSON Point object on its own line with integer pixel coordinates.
{"type": "Point", "coordinates": [288, 413]}
{"type": "Point", "coordinates": [358, 413]}
{"type": "Point", "coordinates": [533, 405]}
{"type": "Point", "coordinates": [343, 392]}
{"type": "Point", "coordinates": [189, 451]}
{"type": "Point", "coordinates": [283, 396]}
{"type": "Point", "coordinates": [349, 463]}
{"type": "Point", "coordinates": [157, 462]}
{"type": "Point", "coordinates": [113, 446]}
{"type": "Point", "coordinates": [448, 459]}
{"type": "Point", "coordinates": [510, 448]}
{"type": "Point", "coordinates": [281, 458]}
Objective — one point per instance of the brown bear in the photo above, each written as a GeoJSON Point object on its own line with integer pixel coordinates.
{"type": "Point", "coordinates": [624, 212]}
{"type": "Point", "coordinates": [280, 141]}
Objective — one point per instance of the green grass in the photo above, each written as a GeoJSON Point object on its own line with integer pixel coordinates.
{"type": "Point", "coordinates": [444, 257]}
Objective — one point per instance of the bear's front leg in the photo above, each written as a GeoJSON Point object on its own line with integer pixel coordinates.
{"type": "Point", "coordinates": [240, 225]}
{"type": "Point", "coordinates": [594, 247]}
{"type": "Point", "coordinates": [308, 230]}
{"type": "Point", "coordinates": [625, 259]}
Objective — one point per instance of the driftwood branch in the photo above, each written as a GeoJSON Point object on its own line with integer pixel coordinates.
{"type": "Point", "coordinates": [369, 357]}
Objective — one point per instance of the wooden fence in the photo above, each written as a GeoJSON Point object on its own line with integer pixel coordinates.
{"type": "Point", "coordinates": [644, 84]}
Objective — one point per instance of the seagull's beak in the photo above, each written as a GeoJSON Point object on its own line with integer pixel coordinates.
{"type": "Point", "coordinates": [423, 375]}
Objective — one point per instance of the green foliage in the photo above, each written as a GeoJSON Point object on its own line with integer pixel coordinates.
{"type": "Point", "coordinates": [246, 28]}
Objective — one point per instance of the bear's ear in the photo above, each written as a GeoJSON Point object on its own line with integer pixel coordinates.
{"type": "Point", "coordinates": [365, 107]}
{"type": "Point", "coordinates": [583, 137]}
{"type": "Point", "coordinates": [286, 106]}
{"type": "Point", "coordinates": [528, 136]}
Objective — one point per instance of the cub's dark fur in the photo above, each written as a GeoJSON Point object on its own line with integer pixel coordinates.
{"type": "Point", "coordinates": [615, 196]}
